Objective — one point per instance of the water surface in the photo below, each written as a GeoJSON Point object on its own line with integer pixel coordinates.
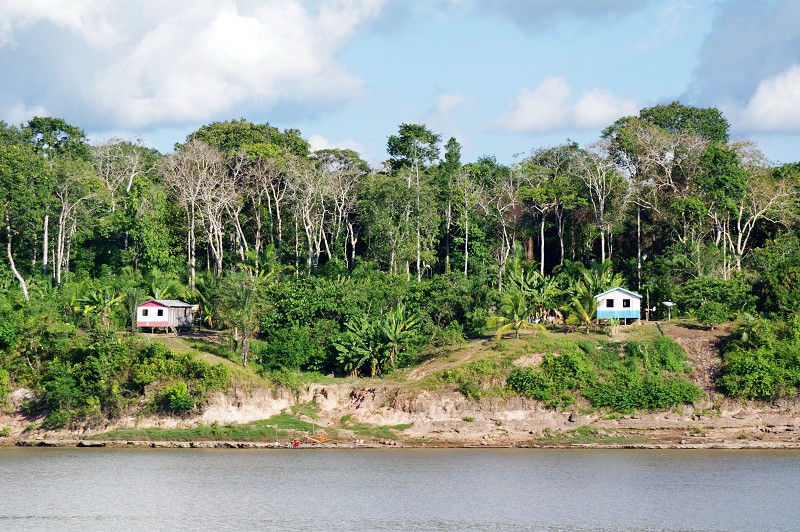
{"type": "Point", "coordinates": [419, 489]}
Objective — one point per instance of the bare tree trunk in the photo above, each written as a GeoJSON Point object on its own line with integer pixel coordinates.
{"type": "Point", "coordinates": [22, 284]}
{"type": "Point", "coordinates": [449, 222]}
{"type": "Point", "coordinates": [638, 247]}
{"type": "Point", "coordinates": [541, 245]}
{"type": "Point", "coordinates": [45, 242]}
{"type": "Point", "coordinates": [466, 245]}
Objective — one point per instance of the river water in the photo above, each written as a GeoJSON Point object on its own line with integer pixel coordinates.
{"type": "Point", "coordinates": [419, 489]}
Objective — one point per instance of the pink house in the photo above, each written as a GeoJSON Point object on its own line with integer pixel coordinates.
{"type": "Point", "coordinates": [166, 313]}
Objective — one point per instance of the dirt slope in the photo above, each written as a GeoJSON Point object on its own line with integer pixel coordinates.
{"type": "Point", "coordinates": [428, 417]}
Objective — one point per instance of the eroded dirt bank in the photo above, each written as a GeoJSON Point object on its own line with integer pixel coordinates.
{"type": "Point", "coordinates": [415, 416]}
{"type": "Point", "coordinates": [425, 418]}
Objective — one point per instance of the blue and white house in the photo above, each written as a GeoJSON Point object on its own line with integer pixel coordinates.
{"type": "Point", "coordinates": [619, 303]}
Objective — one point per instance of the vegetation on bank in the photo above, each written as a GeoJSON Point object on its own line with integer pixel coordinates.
{"type": "Point", "coordinates": [307, 264]}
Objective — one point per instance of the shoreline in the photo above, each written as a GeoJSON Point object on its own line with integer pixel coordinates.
{"type": "Point", "coordinates": [232, 444]}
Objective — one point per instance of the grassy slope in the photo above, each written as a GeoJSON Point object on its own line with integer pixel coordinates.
{"type": "Point", "coordinates": [482, 364]}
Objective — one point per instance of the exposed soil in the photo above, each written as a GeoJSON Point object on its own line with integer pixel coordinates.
{"type": "Point", "coordinates": [447, 418]}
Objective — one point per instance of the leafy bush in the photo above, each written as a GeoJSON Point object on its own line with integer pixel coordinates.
{"type": "Point", "coordinates": [649, 376]}
{"type": "Point", "coordinates": [176, 399]}
{"type": "Point", "coordinates": [711, 313]}
{"type": "Point", "coordinates": [5, 386]}
{"type": "Point", "coordinates": [555, 379]}
{"type": "Point", "coordinates": [290, 348]}
{"type": "Point", "coordinates": [629, 390]}
{"type": "Point", "coordinates": [663, 354]}
{"type": "Point", "coordinates": [762, 361]}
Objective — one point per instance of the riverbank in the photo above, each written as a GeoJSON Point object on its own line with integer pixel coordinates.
{"type": "Point", "coordinates": [354, 416]}
{"type": "Point", "coordinates": [423, 407]}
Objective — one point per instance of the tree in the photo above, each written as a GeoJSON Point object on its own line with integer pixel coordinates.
{"type": "Point", "coordinates": [448, 170]}
{"type": "Point", "coordinates": [470, 196]}
{"type": "Point", "coordinates": [398, 329]}
{"type": "Point", "coordinates": [24, 178]}
{"type": "Point", "coordinates": [240, 303]}
{"type": "Point", "coordinates": [76, 189]}
{"type": "Point", "coordinates": [550, 175]}
{"type": "Point", "coordinates": [514, 312]}
{"type": "Point", "coordinates": [343, 171]}
{"type": "Point", "coordinates": [706, 122]}
{"type": "Point", "coordinates": [605, 188]}
{"type": "Point", "coordinates": [382, 212]}
{"type": "Point", "coordinates": [196, 175]}
{"type": "Point", "coordinates": [410, 152]}
{"type": "Point", "coordinates": [740, 193]}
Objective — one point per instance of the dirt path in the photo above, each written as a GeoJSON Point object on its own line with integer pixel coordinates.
{"type": "Point", "coordinates": [701, 345]}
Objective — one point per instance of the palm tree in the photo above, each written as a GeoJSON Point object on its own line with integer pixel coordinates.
{"type": "Point", "coordinates": [514, 313]}
{"type": "Point", "coordinates": [164, 285]}
{"type": "Point", "coordinates": [585, 283]}
{"type": "Point", "coordinates": [240, 301]}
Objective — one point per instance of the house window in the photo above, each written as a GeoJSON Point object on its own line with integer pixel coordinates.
{"type": "Point", "coordinates": [609, 303]}
{"type": "Point", "coordinates": [161, 312]}
{"type": "Point", "coordinates": [144, 312]}
{"type": "Point", "coordinates": [626, 303]}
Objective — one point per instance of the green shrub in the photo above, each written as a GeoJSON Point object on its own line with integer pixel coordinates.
{"type": "Point", "coordinates": [763, 360]}
{"type": "Point", "coordinates": [630, 390]}
{"type": "Point", "coordinates": [289, 348]}
{"type": "Point", "coordinates": [176, 399]}
{"type": "Point", "coordinates": [5, 386]}
{"type": "Point", "coordinates": [711, 313]}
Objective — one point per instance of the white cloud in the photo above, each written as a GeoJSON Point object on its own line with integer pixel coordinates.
{"type": "Point", "coordinates": [205, 61]}
{"type": "Point", "coordinates": [597, 108]}
{"type": "Point", "coordinates": [775, 105]}
{"type": "Point", "coordinates": [551, 107]}
{"type": "Point", "coordinates": [168, 63]}
{"type": "Point", "coordinates": [83, 17]}
{"type": "Point", "coordinates": [318, 142]}
{"type": "Point", "coordinates": [542, 109]}
{"type": "Point", "coordinates": [20, 113]}
{"type": "Point", "coordinates": [447, 103]}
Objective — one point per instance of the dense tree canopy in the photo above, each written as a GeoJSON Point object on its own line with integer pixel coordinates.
{"type": "Point", "coordinates": [356, 268]}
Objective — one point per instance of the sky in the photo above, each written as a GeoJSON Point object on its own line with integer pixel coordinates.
{"type": "Point", "coordinates": [504, 77]}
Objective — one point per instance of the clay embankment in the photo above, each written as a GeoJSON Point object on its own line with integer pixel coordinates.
{"type": "Point", "coordinates": [447, 418]}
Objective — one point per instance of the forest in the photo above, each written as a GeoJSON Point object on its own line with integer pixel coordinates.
{"type": "Point", "coordinates": [312, 261]}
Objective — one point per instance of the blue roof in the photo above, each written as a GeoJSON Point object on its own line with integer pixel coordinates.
{"type": "Point", "coordinates": [618, 289]}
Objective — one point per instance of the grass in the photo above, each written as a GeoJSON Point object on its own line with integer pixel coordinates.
{"type": "Point", "coordinates": [377, 432]}
{"type": "Point", "coordinates": [585, 435]}
{"type": "Point", "coordinates": [277, 427]}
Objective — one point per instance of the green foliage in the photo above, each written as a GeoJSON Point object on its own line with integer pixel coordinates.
{"type": "Point", "coordinates": [475, 379]}
{"type": "Point", "coordinates": [175, 399]}
{"type": "Point", "coordinates": [629, 390]}
{"type": "Point", "coordinates": [734, 294]}
{"type": "Point", "coordinates": [706, 122]}
{"type": "Point", "coordinates": [650, 375]}
{"type": "Point", "coordinates": [102, 375]}
{"type": "Point", "coordinates": [556, 379]}
{"type": "Point", "coordinates": [711, 313]}
{"type": "Point", "coordinates": [762, 361]}
{"type": "Point", "coordinates": [5, 385]}
{"type": "Point", "coordinates": [290, 348]}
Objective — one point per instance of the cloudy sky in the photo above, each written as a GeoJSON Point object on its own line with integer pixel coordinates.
{"type": "Point", "coordinates": [501, 76]}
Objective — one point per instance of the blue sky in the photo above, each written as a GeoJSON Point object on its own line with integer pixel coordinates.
{"type": "Point", "coordinates": [501, 76]}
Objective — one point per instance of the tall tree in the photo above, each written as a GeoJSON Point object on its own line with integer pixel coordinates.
{"type": "Point", "coordinates": [190, 174]}
{"type": "Point", "coordinates": [604, 187]}
{"type": "Point", "coordinates": [707, 122]}
{"type": "Point", "coordinates": [411, 151]}
{"type": "Point", "coordinates": [24, 177]}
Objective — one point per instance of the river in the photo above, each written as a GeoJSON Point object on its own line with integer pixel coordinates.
{"type": "Point", "coordinates": [418, 489]}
